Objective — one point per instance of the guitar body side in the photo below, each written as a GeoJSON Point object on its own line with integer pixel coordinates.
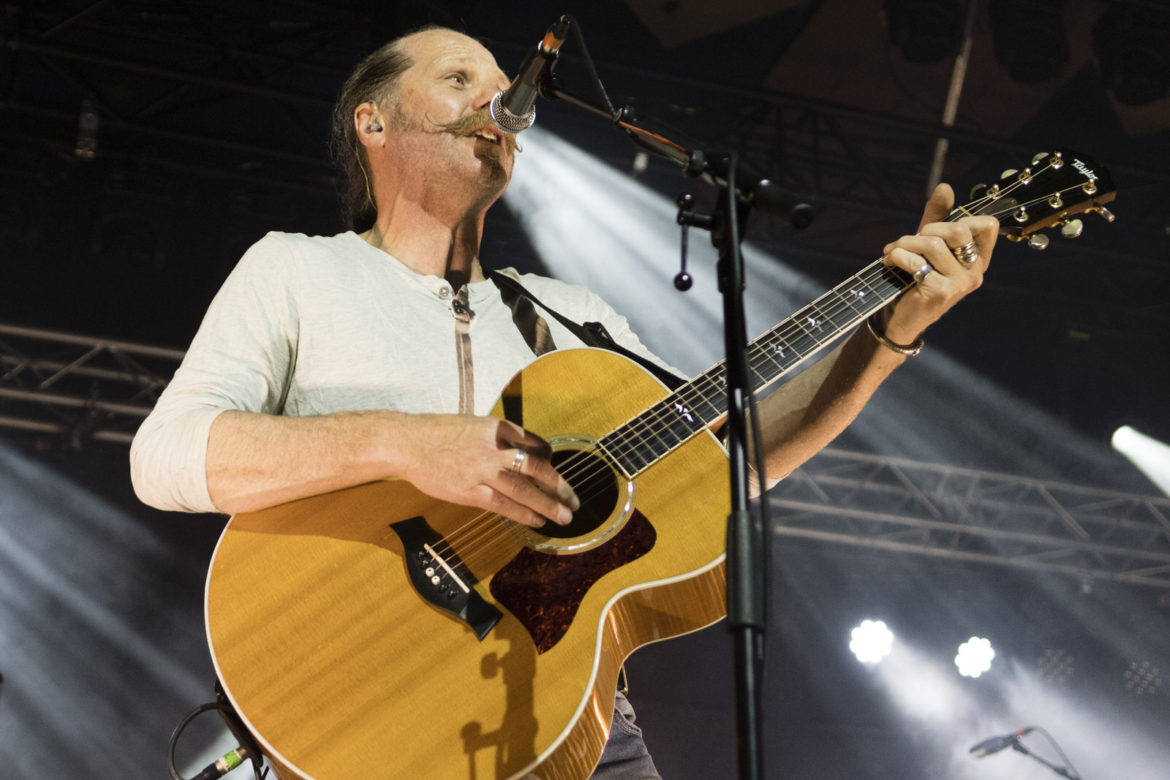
{"type": "Point", "coordinates": [340, 669]}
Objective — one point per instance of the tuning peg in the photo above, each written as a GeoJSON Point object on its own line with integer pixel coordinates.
{"type": "Point", "coordinates": [1071, 228]}
{"type": "Point", "coordinates": [978, 192]}
{"type": "Point", "coordinates": [1104, 212]}
{"type": "Point", "coordinates": [1038, 241]}
{"type": "Point", "coordinates": [1008, 173]}
{"type": "Point", "coordinates": [1039, 157]}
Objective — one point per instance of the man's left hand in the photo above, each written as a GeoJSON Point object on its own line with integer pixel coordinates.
{"type": "Point", "coordinates": [943, 280]}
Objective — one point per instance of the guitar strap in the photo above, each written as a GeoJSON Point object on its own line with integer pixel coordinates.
{"type": "Point", "coordinates": [535, 330]}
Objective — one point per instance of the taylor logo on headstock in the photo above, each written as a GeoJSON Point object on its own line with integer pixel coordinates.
{"type": "Point", "coordinates": [1046, 193]}
{"type": "Point", "coordinates": [1080, 166]}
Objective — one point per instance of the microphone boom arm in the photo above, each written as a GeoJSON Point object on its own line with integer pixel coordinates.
{"type": "Point", "coordinates": [752, 188]}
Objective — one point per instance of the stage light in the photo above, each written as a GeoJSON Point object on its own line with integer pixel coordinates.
{"type": "Point", "coordinates": [1152, 457]}
{"type": "Point", "coordinates": [1055, 666]}
{"type": "Point", "coordinates": [1131, 44]}
{"type": "Point", "coordinates": [925, 30]}
{"type": "Point", "coordinates": [1030, 37]}
{"type": "Point", "coordinates": [1142, 679]}
{"type": "Point", "coordinates": [871, 641]}
{"type": "Point", "coordinates": [974, 657]}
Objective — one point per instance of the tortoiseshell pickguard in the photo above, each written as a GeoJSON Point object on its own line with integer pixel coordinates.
{"type": "Point", "coordinates": [544, 591]}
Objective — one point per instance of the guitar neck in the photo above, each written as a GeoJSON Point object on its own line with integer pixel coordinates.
{"type": "Point", "coordinates": [692, 408]}
{"type": "Point", "coordinates": [1049, 192]}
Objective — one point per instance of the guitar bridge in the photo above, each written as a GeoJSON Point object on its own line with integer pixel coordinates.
{"type": "Point", "coordinates": [441, 578]}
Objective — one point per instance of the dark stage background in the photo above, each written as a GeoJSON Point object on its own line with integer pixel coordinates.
{"type": "Point", "coordinates": [145, 145]}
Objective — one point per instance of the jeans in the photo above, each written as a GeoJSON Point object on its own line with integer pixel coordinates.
{"type": "Point", "coordinates": [625, 756]}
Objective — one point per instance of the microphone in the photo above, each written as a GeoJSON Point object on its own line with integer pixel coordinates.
{"type": "Point", "coordinates": [514, 109]}
{"type": "Point", "coordinates": [996, 744]}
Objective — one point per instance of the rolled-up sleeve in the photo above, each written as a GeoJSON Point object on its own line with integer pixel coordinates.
{"type": "Point", "coordinates": [240, 359]}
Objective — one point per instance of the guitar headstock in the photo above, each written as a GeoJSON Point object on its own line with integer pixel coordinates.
{"type": "Point", "coordinates": [1051, 191]}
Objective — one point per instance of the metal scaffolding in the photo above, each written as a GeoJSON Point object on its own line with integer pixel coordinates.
{"type": "Point", "coordinates": [86, 388]}
{"type": "Point", "coordinates": [907, 506]}
{"type": "Point", "coordinates": [866, 162]}
{"type": "Point", "coordinates": [80, 387]}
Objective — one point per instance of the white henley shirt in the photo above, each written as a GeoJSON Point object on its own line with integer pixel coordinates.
{"type": "Point", "coordinates": [309, 325]}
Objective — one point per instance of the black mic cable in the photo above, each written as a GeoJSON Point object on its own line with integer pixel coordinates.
{"type": "Point", "coordinates": [228, 761]}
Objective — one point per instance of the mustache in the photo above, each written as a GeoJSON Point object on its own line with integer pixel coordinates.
{"type": "Point", "coordinates": [467, 125]}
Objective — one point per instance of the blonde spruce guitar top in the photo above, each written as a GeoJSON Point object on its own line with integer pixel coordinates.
{"type": "Point", "coordinates": [378, 633]}
{"type": "Point", "coordinates": [345, 667]}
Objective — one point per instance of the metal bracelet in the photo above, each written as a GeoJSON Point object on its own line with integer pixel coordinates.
{"type": "Point", "coordinates": [902, 349]}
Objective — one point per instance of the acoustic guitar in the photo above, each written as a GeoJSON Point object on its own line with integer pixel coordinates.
{"type": "Point", "coordinates": [376, 632]}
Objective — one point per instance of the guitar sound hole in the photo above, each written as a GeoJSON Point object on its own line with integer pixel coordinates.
{"type": "Point", "coordinates": [596, 486]}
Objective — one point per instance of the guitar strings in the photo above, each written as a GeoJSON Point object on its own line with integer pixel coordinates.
{"type": "Point", "coordinates": [876, 271]}
{"type": "Point", "coordinates": [637, 433]}
{"type": "Point", "coordinates": [633, 437]}
{"type": "Point", "coordinates": [488, 524]}
{"type": "Point", "coordinates": [762, 350]}
{"type": "Point", "coordinates": [468, 537]}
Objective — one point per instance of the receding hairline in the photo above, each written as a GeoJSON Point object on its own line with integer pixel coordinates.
{"type": "Point", "coordinates": [403, 45]}
{"type": "Point", "coordinates": [435, 31]}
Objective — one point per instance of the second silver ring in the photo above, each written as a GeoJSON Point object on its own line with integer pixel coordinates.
{"type": "Point", "coordinates": [966, 254]}
{"type": "Point", "coordinates": [922, 272]}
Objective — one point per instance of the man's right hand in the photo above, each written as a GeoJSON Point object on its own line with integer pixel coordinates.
{"type": "Point", "coordinates": [488, 463]}
{"type": "Point", "coordinates": [256, 461]}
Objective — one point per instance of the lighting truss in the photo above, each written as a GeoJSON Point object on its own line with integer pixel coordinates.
{"type": "Point", "coordinates": [92, 389]}
{"type": "Point", "coordinates": [869, 163]}
{"type": "Point", "coordinates": [906, 506]}
{"type": "Point", "coordinates": [78, 386]}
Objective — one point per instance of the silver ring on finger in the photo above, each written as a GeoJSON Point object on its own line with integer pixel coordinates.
{"type": "Point", "coordinates": [966, 254]}
{"type": "Point", "coordinates": [518, 461]}
{"type": "Point", "coordinates": [922, 272]}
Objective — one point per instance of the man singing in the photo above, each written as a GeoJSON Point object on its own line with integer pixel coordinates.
{"type": "Point", "coordinates": [329, 362]}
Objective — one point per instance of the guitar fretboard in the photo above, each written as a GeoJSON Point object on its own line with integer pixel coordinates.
{"type": "Point", "coordinates": [1024, 201]}
{"type": "Point", "coordinates": [662, 428]}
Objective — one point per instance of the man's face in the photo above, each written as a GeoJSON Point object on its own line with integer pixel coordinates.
{"type": "Point", "coordinates": [438, 113]}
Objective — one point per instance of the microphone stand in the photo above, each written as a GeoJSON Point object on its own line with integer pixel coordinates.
{"type": "Point", "coordinates": [752, 188]}
{"type": "Point", "coordinates": [747, 545]}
